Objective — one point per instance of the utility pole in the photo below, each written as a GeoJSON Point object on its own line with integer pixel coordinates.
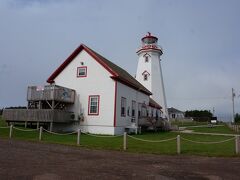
{"type": "Point", "coordinates": [233, 110]}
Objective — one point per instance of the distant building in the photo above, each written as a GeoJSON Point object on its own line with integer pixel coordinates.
{"type": "Point", "coordinates": [175, 113]}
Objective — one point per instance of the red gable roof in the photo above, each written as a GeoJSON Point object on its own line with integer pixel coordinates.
{"type": "Point", "coordinates": [117, 73]}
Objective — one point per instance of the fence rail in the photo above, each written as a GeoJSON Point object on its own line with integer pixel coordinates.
{"type": "Point", "coordinates": [234, 127]}
{"type": "Point", "coordinates": [178, 138]}
{"type": "Point", "coordinates": [50, 92]}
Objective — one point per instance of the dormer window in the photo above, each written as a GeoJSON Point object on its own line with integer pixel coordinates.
{"type": "Point", "coordinates": [82, 71]}
{"type": "Point", "coordinates": [145, 75]}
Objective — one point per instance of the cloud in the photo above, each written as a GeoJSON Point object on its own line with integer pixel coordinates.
{"type": "Point", "coordinates": [201, 52]}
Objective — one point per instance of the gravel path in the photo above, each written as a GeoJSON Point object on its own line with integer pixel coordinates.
{"type": "Point", "coordinates": [38, 161]}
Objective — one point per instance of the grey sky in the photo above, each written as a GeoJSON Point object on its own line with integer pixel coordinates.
{"type": "Point", "coordinates": [200, 40]}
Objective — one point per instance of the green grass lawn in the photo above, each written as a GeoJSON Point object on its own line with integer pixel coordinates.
{"type": "Point", "coordinates": [217, 129]}
{"type": "Point", "coordinates": [185, 124]}
{"type": "Point", "coordinates": [135, 146]}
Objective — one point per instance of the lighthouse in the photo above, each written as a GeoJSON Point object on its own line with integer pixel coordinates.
{"type": "Point", "coordinates": [149, 71]}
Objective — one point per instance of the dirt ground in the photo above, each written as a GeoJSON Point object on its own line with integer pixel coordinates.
{"type": "Point", "coordinates": [38, 161]}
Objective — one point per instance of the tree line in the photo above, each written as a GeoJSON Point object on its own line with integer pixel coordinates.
{"type": "Point", "coordinates": [199, 115]}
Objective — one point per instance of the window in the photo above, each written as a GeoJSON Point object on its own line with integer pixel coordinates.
{"type": "Point", "coordinates": [139, 109]}
{"type": "Point", "coordinates": [133, 108]}
{"type": "Point", "coordinates": [145, 77]}
{"type": "Point", "coordinates": [123, 106]}
{"type": "Point", "coordinates": [82, 71]}
{"type": "Point", "coordinates": [146, 58]}
{"type": "Point", "coordinates": [93, 105]}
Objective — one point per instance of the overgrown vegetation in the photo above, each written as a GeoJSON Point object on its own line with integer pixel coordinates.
{"type": "Point", "coordinates": [237, 118]}
{"type": "Point", "coordinates": [199, 115]}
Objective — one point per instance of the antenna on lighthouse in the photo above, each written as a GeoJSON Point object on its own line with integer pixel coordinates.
{"type": "Point", "coordinates": [233, 108]}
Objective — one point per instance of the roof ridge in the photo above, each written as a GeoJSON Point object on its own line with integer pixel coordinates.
{"type": "Point", "coordinates": [116, 71]}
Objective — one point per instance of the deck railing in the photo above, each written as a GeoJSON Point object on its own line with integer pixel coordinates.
{"type": "Point", "coordinates": [37, 115]}
{"type": "Point", "coordinates": [50, 92]}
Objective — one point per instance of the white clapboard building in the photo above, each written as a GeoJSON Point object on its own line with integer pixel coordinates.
{"type": "Point", "coordinates": [89, 92]}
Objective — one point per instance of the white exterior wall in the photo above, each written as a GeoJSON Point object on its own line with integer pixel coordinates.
{"type": "Point", "coordinates": [155, 79]}
{"type": "Point", "coordinates": [97, 82]}
{"type": "Point", "coordinates": [130, 95]}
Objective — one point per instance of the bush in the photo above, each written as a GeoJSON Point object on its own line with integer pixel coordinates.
{"type": "Point", "coordinates": [199, 115]}
{"type": "Point", "coordinates": [237, 118]}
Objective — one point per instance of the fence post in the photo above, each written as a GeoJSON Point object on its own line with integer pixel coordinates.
{"type": "Point", "coordinates": [178, 144]}
{"type": "Point", "coordinates": [78, 136]}
{"type": "Point", "coordinates": [10, 131]}
{"type": "Point", "coordinates": [237, 144]}
{"type": "Point", "coordinates": [40, 133]}
{"type": "Point", "coordinates": [125, 141]}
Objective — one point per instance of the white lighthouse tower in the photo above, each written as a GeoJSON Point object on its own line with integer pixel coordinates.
{"type": "Point", "coordinates": [149, 72]}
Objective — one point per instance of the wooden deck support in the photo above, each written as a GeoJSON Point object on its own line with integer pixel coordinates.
{"type": "Point", "coordinates": [51, 126]}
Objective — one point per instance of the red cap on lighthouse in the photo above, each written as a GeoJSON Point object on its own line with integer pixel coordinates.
{"type": "Point", "coordinates": [149, 42]}
{"type": "Point", "coordinates": [149, 38]}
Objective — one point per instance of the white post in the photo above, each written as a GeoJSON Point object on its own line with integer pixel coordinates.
{"type": "Point", "coordinates": [178, 144]}
{"type": "Point", "coordinates": [237, 144]}
{"type": "Point", "coordinates": [125, 141]}
{"type": "Point", "coordinates": [233, 108]}
{"type": "Point", "coordinates": [78, 136]}
{"type": "Point", "coordinates": [10, 131]}
{"type": "Point", "coordinates": [51, 126]}
{"type": "Point", "coordinates": [40, 133]}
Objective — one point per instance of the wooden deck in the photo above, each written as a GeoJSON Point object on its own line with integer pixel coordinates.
{"type": "Point", "coordinates": [37, 115]}
{"type": "Point", "coordinates": [50, 93]}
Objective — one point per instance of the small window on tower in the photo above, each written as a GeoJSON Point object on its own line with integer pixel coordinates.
{"type": "Point", "coordinates": [145, 77]}
{"type": "Point", "coordinates": [146, 59]}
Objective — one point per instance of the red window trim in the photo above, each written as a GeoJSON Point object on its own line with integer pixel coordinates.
{"type": "Point", "coordinates": [93, 114]}
{"type": "Point", "coordinates": [82, 67]}
{"type": "Point", "coordinates": [125, 112]}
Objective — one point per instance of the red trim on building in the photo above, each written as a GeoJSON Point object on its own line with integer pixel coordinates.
{"type": "Point", "coordinates": [82, 67]}
{"type": "Point", "coordinates": [115, 105]}
{"type": "Point", "coordinates": [114, 74]}
{"type": "Point", "coordinates": [99, 61]}
{"type": "Point", "coordinates": [127, 83]}
{"type": "Point", "coordinates": [149, 37]}
{"type": "Point", "coordinates": [146, 49]}
{"type": "Point", "coordinates": [71, 57]}
{"type": "Point", "coordinates": [98, 109]}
